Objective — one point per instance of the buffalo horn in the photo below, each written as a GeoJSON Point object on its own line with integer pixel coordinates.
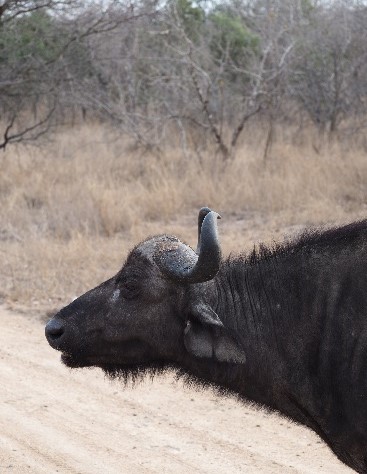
{"type": "Point", "coordinates": [181, 264]}
{"type": "Point", "coordinates": [204, 211]}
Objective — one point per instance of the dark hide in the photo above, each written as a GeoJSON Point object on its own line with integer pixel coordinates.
{"type": "Point", "coordinates": [285, 328]}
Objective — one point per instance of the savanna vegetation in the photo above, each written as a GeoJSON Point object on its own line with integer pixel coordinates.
{"type": "Point", "coordinates": [120, 119]}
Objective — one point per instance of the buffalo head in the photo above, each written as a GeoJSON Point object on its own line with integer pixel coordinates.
{"type": "Point", "coordinates": [156, 312]}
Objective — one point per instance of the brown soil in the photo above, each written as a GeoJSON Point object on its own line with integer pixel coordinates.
{"type": "Point", "coordinates": [56, 420]}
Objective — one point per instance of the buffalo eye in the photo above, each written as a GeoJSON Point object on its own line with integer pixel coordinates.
{"type": "Point", "coordinates": [129, 289]}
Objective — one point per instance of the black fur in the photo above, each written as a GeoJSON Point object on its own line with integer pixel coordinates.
{"type": "Point", "coordinates": [284, 327]}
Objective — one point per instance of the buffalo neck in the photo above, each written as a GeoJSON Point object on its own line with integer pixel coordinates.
{"type": "Point", "coordinates": [265, 303]}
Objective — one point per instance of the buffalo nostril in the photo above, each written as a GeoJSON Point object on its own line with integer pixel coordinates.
{"type": "Point", "coordinates": [54, 330]}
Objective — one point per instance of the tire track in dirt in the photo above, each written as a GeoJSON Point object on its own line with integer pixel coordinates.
{"type": "Point", "coordinates": [56, 420]}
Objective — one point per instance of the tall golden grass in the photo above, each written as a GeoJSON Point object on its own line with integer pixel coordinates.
{"type": "Point", "coordinates": [71, 210]}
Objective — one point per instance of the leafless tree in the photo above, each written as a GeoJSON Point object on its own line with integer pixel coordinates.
{"type": "Point", "coordinates": [198, 71]}
{"type": "Point", "coordinates": [45, 56]}
{"type": "Point", "coordinates": [328, 70]}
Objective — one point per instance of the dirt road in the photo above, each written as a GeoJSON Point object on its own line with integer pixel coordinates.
{"type": "Point", "coordinates": [56, 420]}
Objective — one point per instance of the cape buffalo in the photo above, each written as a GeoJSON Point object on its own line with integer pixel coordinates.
{"type": "Point", "coordinates": [284, 327]}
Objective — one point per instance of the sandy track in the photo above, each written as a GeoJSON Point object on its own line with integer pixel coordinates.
{"type": "Point", "coordinates": [56, 420]}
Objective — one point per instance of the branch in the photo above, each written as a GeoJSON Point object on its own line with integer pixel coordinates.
{"type": "Point", "coordinates": [17, 137]}
{"type": "Point", "coordinates": [204, 102]}
{"type": "Point", "coordinates": [6, 133]}
{"type": "Point", "coordinates": [240, 126]}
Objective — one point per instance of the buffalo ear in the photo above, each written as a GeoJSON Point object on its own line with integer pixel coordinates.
{"type": "Point", "coordinates": [206, 337]}
{"type": "Point", "coordinates": [198, 341]}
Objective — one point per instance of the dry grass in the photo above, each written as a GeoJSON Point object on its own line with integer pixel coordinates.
{"type": "Point", "coordinates": [71, 210]}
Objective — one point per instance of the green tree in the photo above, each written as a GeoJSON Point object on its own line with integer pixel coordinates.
{"type": "Point", "coordinates": [231, 38]}
{"type": "Point", "coordinates": [190, 16]}
{"type": "Point", "coordinates": [36, 35]}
